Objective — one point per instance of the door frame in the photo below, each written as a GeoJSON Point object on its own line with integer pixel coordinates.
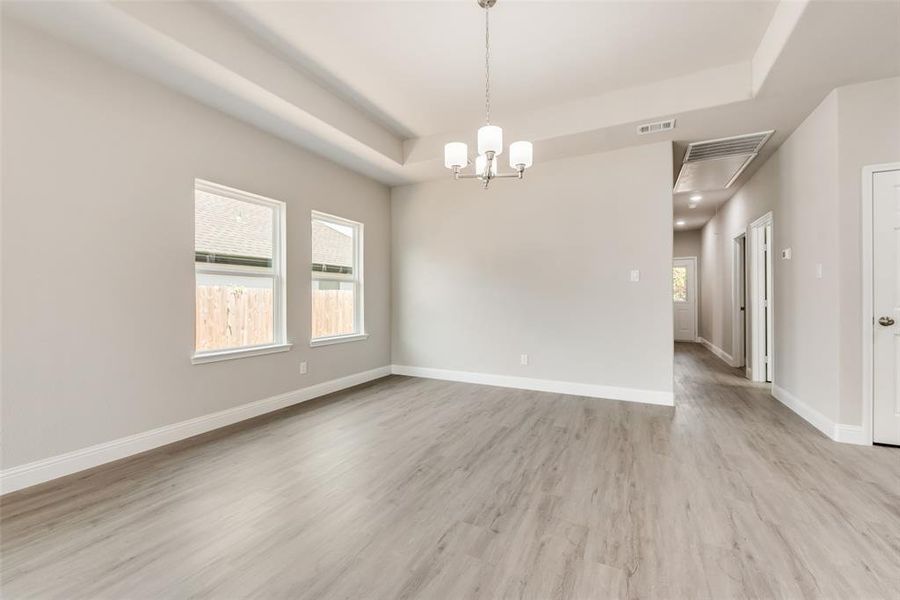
{"type": "Point", "coordinates": [757, 350]}
{"type": "Point", "coordinates": [693, 290]}
{"type": "Point", "coordinates": [737, 331]}
{"type": "Point", "coordinates": [868, 296]}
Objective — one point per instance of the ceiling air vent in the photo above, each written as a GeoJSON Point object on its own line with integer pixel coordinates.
{"type": "Point", "coordinates": [656, 127]}
{"type": "Point", "coordinates": [716, 164]}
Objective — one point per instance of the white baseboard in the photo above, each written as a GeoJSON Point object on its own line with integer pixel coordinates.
{"type": "Point", "coordinates": [851, 434]}
{"type": "Point", "coordinates": [811, 415]}
{"type": "Point", "coordinates": [847, 434]}
{"type": "Point", "coordinates": [33, 473]}
{"type": "Point", "coordinates": [542, 385]}
{"type": "Point", "coordinates": [729, 360]}
{"type": "Point", "coordinates": [17, 478]}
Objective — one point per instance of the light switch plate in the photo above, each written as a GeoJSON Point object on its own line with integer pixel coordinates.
{"type": "Point", "coordinates": [819, 272]}
{"type": "Point", "coordinates": [786, 254]}
{"type": "Point", "coordinates": [634, 275]}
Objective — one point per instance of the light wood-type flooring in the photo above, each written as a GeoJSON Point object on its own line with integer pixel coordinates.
{"type": "Point", "coordinates": [414, 488]}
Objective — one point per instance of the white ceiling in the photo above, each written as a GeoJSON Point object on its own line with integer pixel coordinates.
{"type": "Point", "coordinates": [422, 63]}
{"type": "Point", "coordinates": [703, 211]}
{"type": "Point", "coordinates": [381, 86]}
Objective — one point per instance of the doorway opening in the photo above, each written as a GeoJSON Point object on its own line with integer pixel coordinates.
{"type": "Point", "coordinates": [761, 296]}
{"type": "Point", "coordinates": [739, 303]}
{"type": "Point", "coordinates": [684, 298]}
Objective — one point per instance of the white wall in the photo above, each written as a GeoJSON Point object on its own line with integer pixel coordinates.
{"type": "Point", "coordinates": [869, 133]}
{"type": "Point", "coordinates": [97, 252]}
{"type": "Point", "coordinates": [799, 185]}
{"type": "Point", "coordinates": [687, 243]}
{"type": "Point", "coordinates": [540, 266]}
{"type": "Point", "coordinates": [812, 184]}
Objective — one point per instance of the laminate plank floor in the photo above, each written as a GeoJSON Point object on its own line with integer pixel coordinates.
{"type": "Point", "coordinates": [415, 488]}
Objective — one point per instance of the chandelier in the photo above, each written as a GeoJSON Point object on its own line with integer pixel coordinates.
{"type": "Point", "coordinates": [490, 137]}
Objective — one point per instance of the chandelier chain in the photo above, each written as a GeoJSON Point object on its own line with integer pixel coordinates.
{"type": "Point", "coordinates": [487, 67]}
{"type": "Point", "coordinates": [490, 137]}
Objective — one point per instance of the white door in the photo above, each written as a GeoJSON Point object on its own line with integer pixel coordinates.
{"type": "Point", "coordinates": [767, 300]}
{"type": "Point", "coordinates": [739, 306]}
{"type": "Point", "coordinates": [761, 299]}
{"type": "Point", "coordinates": [684, 298]}
{"type": "Point", "coordinates": [886, 279]}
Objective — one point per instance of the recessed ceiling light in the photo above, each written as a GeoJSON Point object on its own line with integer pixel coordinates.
{"type": "Point", "coordinates": [696, 198]}
{"type": "Point", "coordinates": [679, 223]}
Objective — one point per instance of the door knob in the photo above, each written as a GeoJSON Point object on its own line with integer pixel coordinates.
{"type": "Point", "coordinates": [885, 321]}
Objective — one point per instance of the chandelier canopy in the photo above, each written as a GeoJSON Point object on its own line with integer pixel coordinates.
{"type": "Point", "coordinates": [490, 137]}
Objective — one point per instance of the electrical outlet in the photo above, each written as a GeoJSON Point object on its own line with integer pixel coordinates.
{"type": "Point", "coordinates": [303, 367]}
{"type": "Point", "coordinates": [523, 358]}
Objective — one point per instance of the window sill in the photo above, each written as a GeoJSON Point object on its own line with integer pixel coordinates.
{"type": "Point", "coordinates": [338, 339]}
{"type": "Point", "coordinates": [208, 357]}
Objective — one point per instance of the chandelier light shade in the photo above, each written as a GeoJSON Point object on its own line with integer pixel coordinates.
{"type": "Point", "coordinates": [521, 155]}
{"type": "Point", "coordinates": [490, 137]}
{"type": "Point", "coordinates": [456, 155]}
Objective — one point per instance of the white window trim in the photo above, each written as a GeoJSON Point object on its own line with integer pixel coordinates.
{"type": "Point", "coordinates": [337, 339]}
{"type": "Point", "coordinates": [201, 358]}
{"type": "Point", "coordinates": [357, 278]}
{"type": "Point", "coordinates": [278, 271]}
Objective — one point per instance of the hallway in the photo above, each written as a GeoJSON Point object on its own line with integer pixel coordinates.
{"type": "Point", "coordinates": [793, 480]}
{"type": "Point", "coordinates": [417, 488]}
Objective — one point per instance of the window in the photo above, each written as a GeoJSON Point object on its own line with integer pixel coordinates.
{"type": "Point", "coordinates": [337, 282]}
{"type": "Point", "coordinates": [239, 271]}
{"type": "Point", "coordinates": [679, 284]}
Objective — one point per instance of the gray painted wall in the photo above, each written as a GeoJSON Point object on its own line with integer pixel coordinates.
{"type": "Point", "coordinates": [869, 133]}
{"type": "Point", "coordinates": [540, 267]}
{"type": "Point", "coordinates": [97, 252]}
{"type": "Point", "coordinates": [798, 184]}
{"type": "Point", "coordinates": [813, 186]}
{"type": "Point", "coordinates": [687, 243]}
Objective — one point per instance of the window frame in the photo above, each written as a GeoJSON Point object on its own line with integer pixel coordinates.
{"type": "Point", "coordinates": [687, 290]}
{"type": "Point", "coordinates": [356, 277]}
{"type": "Point", "coordinates": [277, 273]}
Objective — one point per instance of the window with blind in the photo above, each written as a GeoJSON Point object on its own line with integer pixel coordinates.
{"type": "Point", "coordinates": [337, 283]}
{"type": "Point", "coordinates": [239, 271]}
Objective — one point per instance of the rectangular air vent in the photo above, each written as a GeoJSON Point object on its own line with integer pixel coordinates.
{"type": "Point", "coordinates": [739, 144]}
{"type": "Point", "coordinates": [656, 127]}
{"type": "Point", "coordinates": [716, 164]}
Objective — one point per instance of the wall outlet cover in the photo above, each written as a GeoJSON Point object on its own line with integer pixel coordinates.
{"type": "Point", "coordinates": [634, 275]}
{"type": "Point", "coordinates": [786, 254]}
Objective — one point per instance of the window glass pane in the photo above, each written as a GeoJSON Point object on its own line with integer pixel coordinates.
{"type": "Point", "coordinates": [679, 284]}
{"type": "Point", "coordinates": [332, 308]}
{"type": "Point", "coordinates": [332, 247]}
{"type": "Point", "coordinates": [229, 231]}
{"type": "Point", "coordinates": [233, 311]}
